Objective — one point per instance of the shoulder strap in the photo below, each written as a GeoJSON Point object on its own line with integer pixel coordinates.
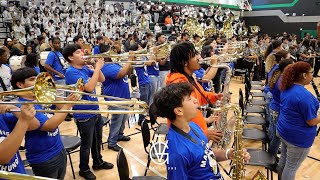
{"type": "Point", "coordinates": [191, 80]}
{"type": "Point", "coordinates": [63, 67]}
{"type": "Point", "coordinates": [2, 84]}
{"type": "Point", "coordinates": [186, 135]}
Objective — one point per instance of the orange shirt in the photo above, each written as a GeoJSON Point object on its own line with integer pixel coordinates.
{"type": "Point", "coordinates": [199, 120]}
{"type": "Point", "coordinates": [168, 20]}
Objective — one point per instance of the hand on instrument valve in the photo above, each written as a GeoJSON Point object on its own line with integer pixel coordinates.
{"type": "Point", "coordinates": [246, 156]}
{"type": "Point", "coordinates": [214, 135]}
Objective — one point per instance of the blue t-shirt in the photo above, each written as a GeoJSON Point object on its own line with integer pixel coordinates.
{"type": "Point", "coordinates": [37, 69]}
{"type": "Point", "coordinates": [297, 105]}
{"type": "Point", "coordinates": [15, 164]}
{"type": "Point", "coordinates": [112, 86]}
{"type": "Point", "coordinates": [72, 76]}
{"type": "Point", "coordinates": [96, 49]}
{"type": "Point", "coordinates": [143, 77]}
{"type": "Point", "coordinates": [188, 160]}
{"type": "Point", "coordinates": [55, 63]}
{"type": "Point", "coordinates": [153, 70]}
{"type": "Point", "coordinates": [41, 146]}
{"type": "Point", "coordinates": [199, 74]}
{"type": "Point", "coordinates": [275, 101]}
{"type": "Point", "coordinates": [267, 88]}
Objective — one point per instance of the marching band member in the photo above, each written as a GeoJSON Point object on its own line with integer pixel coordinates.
{"type": "Point", "coordinates": [189, 154]}
{"type": "Point", "coordinates": [11, 136]}
{"type": "Point", "coordinates": [164, 64]}
{"type": "Point", "coordinates": [184, 61]}
{"type": "Point", "coordinates": [116, 85]}
{"type": "Point", "coordinates": [89, 125]}
{"type": "Point", "coordinates": [44, 149]}
{"type": "Point", "coordinates": [274, 82]}
{"type": "Point", "coordinates": [143, 80]}
{"type": "Point", "coordinates": [55, 63]}
{"type": "Point", "coordinates": [298, 118]}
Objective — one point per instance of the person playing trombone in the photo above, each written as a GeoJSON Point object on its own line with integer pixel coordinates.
{"type": "Point", "coordinates": [11, 136]}
{"type": "Point", "coordinates": [44, 149]}
{"type": "Point", "coordinates": [89, 125]}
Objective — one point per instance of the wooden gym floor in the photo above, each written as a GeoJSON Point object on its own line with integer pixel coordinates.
{"type": "Point", "coordinates": [137, 157]}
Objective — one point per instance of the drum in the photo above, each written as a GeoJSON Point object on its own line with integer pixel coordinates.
{"type": "Point", "coordinates": [43, 57]}
{"type": "Point", "coordinates": [15, 62]}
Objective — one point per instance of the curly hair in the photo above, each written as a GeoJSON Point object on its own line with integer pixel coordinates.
{"type": "Point", "coordinates": [276, 74]}
{"type": "Point", "coordinates": [180, 54]}
{"type": "Point", "coordinates": [293, 73]}
{"type": "Point", "coordinates": [170, 97]}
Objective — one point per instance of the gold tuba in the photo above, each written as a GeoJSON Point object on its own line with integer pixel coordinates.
{"type": "Point", "coordinates": [254, 29]}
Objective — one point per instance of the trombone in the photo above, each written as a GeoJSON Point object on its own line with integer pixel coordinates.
{"type": "Point", "coordinates": [45, 92]}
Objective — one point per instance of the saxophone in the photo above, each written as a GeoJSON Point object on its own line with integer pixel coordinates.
{"type": "Point", "coordinates": [238, 171]}
{"type": "Point", "coordinates": [237, 163]}
{"type": "Point", "coordinates": [223, 123]}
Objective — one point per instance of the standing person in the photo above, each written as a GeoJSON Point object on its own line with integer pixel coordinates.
{"type": "Point", "coordinates": [298, 119]}
{"type": "Point", "coordinates": [184, 61]}
{"type": "Point", "coordinates": [164, 63]}
{"type": "Point", "coordinates": [274, 82]}
{"type": "Point", "coordinates": [11, 137]}
{"type": "Point", "coordinates": [144, 81]}
{"type": "Point", "coordinates": [56, 64]}
{"type": "Point", "coordinates": [5, 71]}
{"type": "Point", "coordinates": [116, 85]}
{"type": "Point", "coordinates": [44, 149]}
{"type": "Point", "coordinates": [89, 125]}
{"type": "Point", "coordinates": [251, 57]}
{"type": "Point", "coordinates": [100, 43]}
{"type": "Point", "coordinates": [32, 62]}
{"type": "Point", "coordinates": [272, 48]}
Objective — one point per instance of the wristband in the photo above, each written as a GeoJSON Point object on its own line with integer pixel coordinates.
{"type": "Point", "coordinates": [227, 151]}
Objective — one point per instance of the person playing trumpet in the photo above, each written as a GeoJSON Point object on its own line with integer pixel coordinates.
{"type": "Point", "coordinates": [89, 125]}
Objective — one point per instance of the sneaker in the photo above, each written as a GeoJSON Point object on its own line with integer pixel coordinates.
{"type": "Point", "coordinates": [115, 148]}
{"type": "Point", "coordinates": [124, 138]}
{"type": "Point", "coordinates": [87, 175]}
{"type": "Point", "coordinates": [104, 165]}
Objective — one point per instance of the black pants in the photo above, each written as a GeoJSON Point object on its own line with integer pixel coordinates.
{"type": "Point", "coordinates": [316, 66]}
{"type": "Point", "coordinates": [248, 66]}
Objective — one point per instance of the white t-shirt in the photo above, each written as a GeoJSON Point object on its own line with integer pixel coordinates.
{"type": "Point", "coordinates": [5, 74]}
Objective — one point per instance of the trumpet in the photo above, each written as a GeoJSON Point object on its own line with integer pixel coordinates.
{"type": "Point", "coordinates": [45, 91]}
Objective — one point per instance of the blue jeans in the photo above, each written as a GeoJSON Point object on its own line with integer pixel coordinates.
{"type": "Point", "coordinates": [91, 136]}
{"type": "Point", "coordinates": [145, 93]}
{"type": "Point", "coordinates": [290, 160]}
{"type": "Point", "coordinates": [163, 75]}
{"type": "Point", "coordinates": [268, 98]}
{"type": "Point", "coordinates": [117, 125]}
{"type": "Point", "coordinates": [53, 168]}
{"type": "Point", "coordinates": [155, 84]}
{"type": "Point", "coordinates": [275, 141]}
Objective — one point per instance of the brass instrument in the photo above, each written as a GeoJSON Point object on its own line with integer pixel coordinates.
{"type": "Point", "coordinates": [259, 176]}
{"type": "Point", "coordinates": [237, 163]}
{"type": "Point", "coordinates": [161, 51]}
{"type": "Point", "coordinates": [227, 28]}
{"type": "Point", "coordinates": [17, 176]}
{"type": "Point", "coordinates": [200, 44]}
{"type": "Point", "coordinates": [45, 92]}
{"type": "Point", "coordinates": [254, 29]}
{"type": "Point", "coordinates": [193, 27]}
